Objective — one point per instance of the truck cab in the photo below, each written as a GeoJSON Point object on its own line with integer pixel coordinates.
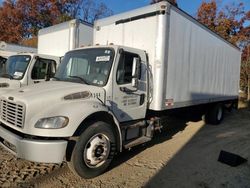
{"type": "Point", "coordinates": [26, 68]}
{"type": "Point", "coordinates": [95, 93]}
{"type": "Point", "coordinates": [111, 68]}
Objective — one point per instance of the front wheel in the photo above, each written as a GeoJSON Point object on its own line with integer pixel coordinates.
{"type": "Point", "coordinates": [93, 151]}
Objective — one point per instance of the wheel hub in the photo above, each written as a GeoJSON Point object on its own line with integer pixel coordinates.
{"type": "Point", "coordinates": [99, 151]}
{"type": "Point", "coordinates": [96, 150]}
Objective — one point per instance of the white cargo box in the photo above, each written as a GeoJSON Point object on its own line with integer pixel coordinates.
{"type": "Point", "coordinates": [58, 39]}
{"type": "Point", "coordinates": [7, 49]}
{"type": "Point", "coordinates": [190, 64]}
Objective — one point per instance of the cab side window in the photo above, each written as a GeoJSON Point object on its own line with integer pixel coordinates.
{"type": "Point", "coordinates": [124, 71]}
{"type": "Point", "coordinates": [43, 69]}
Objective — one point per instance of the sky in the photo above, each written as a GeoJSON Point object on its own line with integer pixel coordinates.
{"type": "Point", "coordinates": [190, 7]}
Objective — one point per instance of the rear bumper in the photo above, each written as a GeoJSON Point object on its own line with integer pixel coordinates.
{"type": "Point", "coordinates": [45, 151]}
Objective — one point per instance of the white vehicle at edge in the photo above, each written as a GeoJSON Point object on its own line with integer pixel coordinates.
{"type": "Point", "coordinates": [8, 49]}
{"type": "Point", "coordinates": [27, 68]}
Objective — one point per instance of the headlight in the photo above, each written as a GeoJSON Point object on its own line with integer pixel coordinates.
{"type": "Point", "coordinates": [52, 123]}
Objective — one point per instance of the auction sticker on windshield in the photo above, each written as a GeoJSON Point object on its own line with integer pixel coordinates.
{"type": "Point", "coordinates": [18, 74]}
{"type": "Point", "coordinates": [102, 58]}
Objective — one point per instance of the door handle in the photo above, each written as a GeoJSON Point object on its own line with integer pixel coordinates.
{"type": "Point", "coordinates": [36, 82]}
{"type": "Point", "coordinates": [127, 90]}
{"type": "Point", "coordinates": [142, 99]}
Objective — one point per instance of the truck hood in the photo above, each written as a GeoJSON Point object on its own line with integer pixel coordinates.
{"type": "Point", "coordinates": [49, 93]}
{"type": "Point", "coordinates": [51, 99]}
{"type": "Point", "coordinates": [7, 85]}
{"type": "Point", "coordinates": [12, 84]}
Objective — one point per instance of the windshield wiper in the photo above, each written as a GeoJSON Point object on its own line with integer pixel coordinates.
{"type": "Point", "coordinates": [80, 78]}
{"type": "Point", "coordinates": [7, 75]}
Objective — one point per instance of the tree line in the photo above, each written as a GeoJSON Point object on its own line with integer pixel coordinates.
{"type": "Point", "coordinates": [20, 20]}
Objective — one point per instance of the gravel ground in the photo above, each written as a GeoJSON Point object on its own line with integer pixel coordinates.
{"type": "Point", "coordinates": [183, 155]}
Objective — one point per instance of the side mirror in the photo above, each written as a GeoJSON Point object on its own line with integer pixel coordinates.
{"type": "Point", "coordinates": [51, 71]}
{"type": "Point", "coordinates": [136, 70]}
{"type": "Point", "coordinates": [49, 76]}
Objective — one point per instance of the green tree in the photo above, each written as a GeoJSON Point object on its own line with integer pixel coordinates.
{"type": "Point", "coordinates": [38, 14]}
{"type": "Point", "coordinates": [207, 14]}
{"type": "Point", "coordinates": [11, 28]}
{"type": "Point", "coordinates": [20, 20]}
{"type": "Point", "coordinates": [245, 71]}
{"type": "Point", "coordinates": [89, 10]}
{"type": "Point", "coordinates": [227, 22]}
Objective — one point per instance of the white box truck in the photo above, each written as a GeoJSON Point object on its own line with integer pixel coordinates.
{"type": "Point", "coordinates": [24, 69]}
{"type": "Point", "coordinates": [64, 37]}
{"type": "Point", "coordinates": [8, 49]}
{"type": "Point", "coordinates": [109, 97]}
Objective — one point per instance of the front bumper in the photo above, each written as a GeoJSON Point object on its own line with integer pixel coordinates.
{"type": "Point", "coordinates": [44, 151]}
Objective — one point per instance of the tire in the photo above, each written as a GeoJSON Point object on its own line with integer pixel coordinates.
{"type": "Point", "coordinates": [215, 115]}
{"type": "Point", "coordinates": [93, 151]}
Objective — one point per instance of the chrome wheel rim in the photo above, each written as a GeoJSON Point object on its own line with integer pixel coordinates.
{"type": "Point", "coordinates": [96, 151]}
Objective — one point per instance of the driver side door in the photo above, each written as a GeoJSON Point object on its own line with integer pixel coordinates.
{"type": "Point", "coordinates": [129, 103]}
{"type": "Point", "coordinates": [42, 70]}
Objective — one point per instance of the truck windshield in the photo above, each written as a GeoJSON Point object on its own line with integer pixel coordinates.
{"type": "Point", "coordinates": [89, 66]}
{"type": "Point", "coordinates": [2, 64]}
{"type": "Point", "coordinates": [16, 66]}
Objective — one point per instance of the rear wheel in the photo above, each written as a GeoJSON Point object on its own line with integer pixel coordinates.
{"type": "Point", "coordinates": [215, 115]}
{"type": "Point", "coordinates": [94, 151]}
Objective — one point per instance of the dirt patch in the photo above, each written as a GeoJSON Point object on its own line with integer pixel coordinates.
{"type": "Point", "coordinates": [183, 155]}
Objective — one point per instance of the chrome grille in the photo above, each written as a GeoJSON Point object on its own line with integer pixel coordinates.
{"type": "Point", "coordinates": [12, 113]}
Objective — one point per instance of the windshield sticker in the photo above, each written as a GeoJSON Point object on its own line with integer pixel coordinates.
{"type": "Point", "coordinates": [18, 74]}
{"type": "Point", "coordinates": [27, 59]}
{"type": "Point", "coordinates": [102, 58]}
